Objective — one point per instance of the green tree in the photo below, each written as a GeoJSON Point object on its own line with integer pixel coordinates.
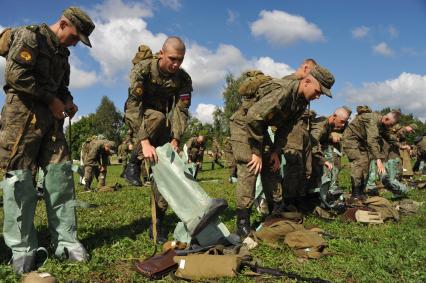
{"type": "Point", "coordinates": [80, 131]}
{"type": "Point", "coordinates": [220, 124]}
{"type": "Point", "coordinates": [109, 121]}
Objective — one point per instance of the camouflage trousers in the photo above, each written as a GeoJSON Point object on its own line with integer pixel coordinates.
{"type": "Point", "coordinates": [246, 182]}
{"type": "Point", "coordinates": [294, 181]}
{"type": "Point", "coordinates": [359, 161]}
{"type": "Point", "coordinates": [158, 128]}
{"type": "Point", "coordinates": [91, 171]}
{"type": "Point", "coordinates": [30, 137]}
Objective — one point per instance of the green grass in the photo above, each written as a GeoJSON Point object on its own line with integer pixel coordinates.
{"type": "Point", "coordinates": [115, 233]}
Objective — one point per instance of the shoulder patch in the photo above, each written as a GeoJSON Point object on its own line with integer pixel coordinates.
{"type": "Point", "coordinates": [137, 89]}
{"type": "Point", "coordinates": [25, 56]}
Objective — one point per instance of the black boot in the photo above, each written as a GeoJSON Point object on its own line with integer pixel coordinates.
{"type": "Point", "coordinates": [216, 207]}
{"type": "Point", "coordinates": [161, 232]}
{"type": "Point", "coordinates": [243, 222]}
{"type": "Point", "coordinates": [132, 173]}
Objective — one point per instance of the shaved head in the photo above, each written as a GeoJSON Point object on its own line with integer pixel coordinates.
{"type": "Point", "coordinates": [175, 43]}
{"type": "Point", "coordinates": [343, 113]}
{"type": "Point", "coordinates": [340, 118]}
{"type": "Point", "coordinates": [391, 118]}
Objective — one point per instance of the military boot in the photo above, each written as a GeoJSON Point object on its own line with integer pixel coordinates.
{"type": "Point", "coordinates": [132, 173]}
{"type": "Point", "coordinates": [243, 222]}
{"type": "Point", "coordinates": [161, 232]}
{"type": "Point", "coordinates": [217, 206]}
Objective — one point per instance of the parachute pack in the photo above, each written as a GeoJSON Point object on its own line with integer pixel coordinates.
{"type": "Point", "coordinates": [253, 80]}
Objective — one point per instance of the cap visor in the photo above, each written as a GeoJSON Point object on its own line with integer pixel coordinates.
{"type": "Point", "coordinates": [85, 39]}
{"type": "Point", "coordinates": [326, 91]}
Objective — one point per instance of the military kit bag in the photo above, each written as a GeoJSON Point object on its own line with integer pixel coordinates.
{"type": "Point", "coordinates": [206, 266]}
{"type": "Point", "coordinates": [5, 38]}
{"type": "Point", "coordinates": [157, 266]}
{"type": "Point", "coordinates": [254, 79]}
{"type": "Point", "coordinates": [307, 244]}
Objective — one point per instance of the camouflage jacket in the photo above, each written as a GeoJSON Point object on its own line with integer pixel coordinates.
{"type": "Point", "coordinates": [366, 133]}
{"type": "Point", "coordinates": [216, 147]}
{"type": "Point", "coordinates": [37, 67]}
{"type": "Point", "coordinates": [277, 104]}
{"type": "Point", "coordinates": [421, 146]}
{"type": "Point", "coordinates": [299, 139]}
{"type": "Point", "coordinates": [96, 154]}
{"type": "Point", "coordinates": [320, 136]}
{"type": "Point", "coordinates": [123, 149]}
{"type": "Point", "coordinates": [195, 149]}
{"type": "Point", "coordinates": [167, 93]}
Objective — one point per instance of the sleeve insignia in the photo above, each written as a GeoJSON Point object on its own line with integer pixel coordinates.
{"type": "Point", "coordinates": [25, 56]}
{"type": "Point", "coordinates": [185, 97]}
{"type": "Point", "coordinates": [137, 90]}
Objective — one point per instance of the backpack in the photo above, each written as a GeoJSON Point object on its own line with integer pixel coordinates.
{"type": "Point", "coordinates": [253, 80]}
{"type": "Point", "coordinates": [143, 53]}
{"type": "Point", "coordinates": [5, 39]}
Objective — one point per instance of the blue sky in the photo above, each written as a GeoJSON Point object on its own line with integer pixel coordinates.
{"type": "Point", "coordinates": [376, 49]}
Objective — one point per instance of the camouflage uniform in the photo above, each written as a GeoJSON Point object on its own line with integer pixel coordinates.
{"type": "Point", "coordinates": [277, 104]}
{"type": "Point", "coordinates": [95, 162]}
{"type": "Point", "coordinates": [320, 137]}
{"type": "Point", "coordinates": [123, 152]}
{"type": "Point", "coordinates": [297, 153]}
{"type": "Point", "coordinates": [229, 157]}
{"type": "Point", "coordinates": [37, 72]}
{"type": "Point", "coordinates": [421, 154]}
{"type": "Point", "coordinates": [216, 153]}
{"type": "Point", "coordinates": [363, 143]}
{"type": "Point", "coordinates": [157, 109]}
{"type": "Point", "coordinates": [195, 150]}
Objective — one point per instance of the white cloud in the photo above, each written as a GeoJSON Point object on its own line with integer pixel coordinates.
{"type": "Point", "coordinates": [82, 79]}
{"type": "Point", "coordinates": [76, 118]}
{"type": "Point", "coordinates": [360, 32]}
{"type": "Point", "coordinates": [383, 49]}
{"type": "Point", "coordinates": [117, 9]}
{"type": "Point", "coordinates": [208, 68]}
{"type": "Point", "coordinates": [120, 29]}
{"type": "Point", "coordinates": [173, 4]}
{"type": "Point", "coordinates": [204, 112]}
{"type": "Point", "coordinates": [393, 32]}
{"type": "Point", "coordinates": [282, 28]}
{"type": "Point", "coordinates": [232, 17]}
{"type": "Point", "coordinates": [272, 68]}
{"type": "Point", "coordinates": [406, 92]}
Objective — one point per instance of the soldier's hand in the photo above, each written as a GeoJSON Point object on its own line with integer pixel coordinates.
{"type": "Point", "coordinates": [275, 162]}
{"type": "Point", "coordinates": [57, 107]}
{"type": "Point", "coordinates": [380, 167]}
{"type": "Point", "coordinates": [255, 165]}
{"type": "Point", "coordinates": [175, 145]}
{"type": "Point", "coordinates": [148, 151]}
{"type": "Point", "coordinates": [71, 109]}
{"type": "Point", "coordinates": [329, 165]}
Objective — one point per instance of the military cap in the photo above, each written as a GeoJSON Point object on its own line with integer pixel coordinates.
{"type": "Point", "coordinates": [81, 21]}
{"type": "Point", "coordinates": [324, 77]}
{"type": "Point", "coordinates": [413, 126]}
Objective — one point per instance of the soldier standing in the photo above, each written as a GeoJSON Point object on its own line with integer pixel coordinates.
{"type": "Point", "coordinates": [421, 153]}
{"type": "Point", "coordinates": [216, 153]}
{"type": "Point", "coordinates": [96, 161]}
{"type": "Point", "coordinates": [123, 152]}
{"type": "Point", "coordinates": [156, 111]}
{"type": "Point", "coordinates": [277, 102]}
{"type": "Point", "coordinates": [37, 100]}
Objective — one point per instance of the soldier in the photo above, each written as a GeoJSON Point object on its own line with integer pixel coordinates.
{"type": "Point", "coordinates": [123, 152]}
{"type": "Point", "coordinates": [362, 142]}
{"type": "Point", "coordinates": [156, 111]}
{"type": "Point", "coordinates": [37, 101]}
{"type": "Point", "coordinates": [216, 153]}
{"type": "Point", "coordinates": [421, 153]}
{"type": "Point", "coordinates": [96, 161]}
{"type": "Point", "coordinates": [229, 158]}
{"type": "Point", "coordinates": [321, 129]}
{"type": "Point", "coordinates": [195, 147]}
{"type": "Point", "coordinates": [277, 102]}
{"type": "Point", "coordinates": [405, 149]}
{"type": "Point", "coordinates": [298, 166]}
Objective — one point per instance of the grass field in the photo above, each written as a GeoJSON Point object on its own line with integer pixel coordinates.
{"type": "Point", "coordinates": [115, 233]}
